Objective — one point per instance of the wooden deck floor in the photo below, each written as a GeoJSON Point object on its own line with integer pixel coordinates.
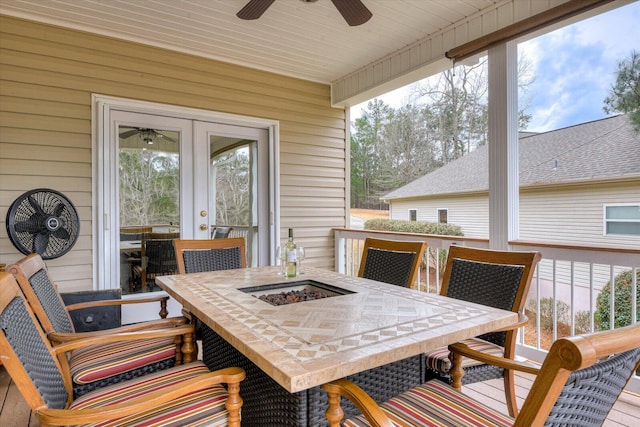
{"type": "Point", "coordinates": [626, 412]}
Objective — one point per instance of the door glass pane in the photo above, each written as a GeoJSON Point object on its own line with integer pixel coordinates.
{"type": "Point", "coordinates": [233, 188]}
{"type": "Point", "coordinates": [149, 202]}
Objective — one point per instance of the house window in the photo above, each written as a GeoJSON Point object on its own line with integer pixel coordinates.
{"type": "Point", "coordinates": [622, 219]}
{"type": "Point", "coordinates": [442, 216]}
{"type": "Point", "coordinates": [413, 214]}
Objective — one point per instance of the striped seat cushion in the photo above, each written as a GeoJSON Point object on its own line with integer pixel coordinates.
{"type": "Point", "coordinates": [205, 407]}
{"type": "Point", "coordinates": [436, 404]}
{"type": "Point", "coordinates": [101, 361]}
{"type": "Point", "coordinates": [438, 360]}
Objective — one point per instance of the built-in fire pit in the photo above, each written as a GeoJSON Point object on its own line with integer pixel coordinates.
{"type": "Point", "coordinates": [294, 292]}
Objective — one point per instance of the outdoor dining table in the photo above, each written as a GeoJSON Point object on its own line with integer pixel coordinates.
{"type": "Point", "coordinates": [130, 246]}
{"type": "Point", "coordinates": [371, 332]}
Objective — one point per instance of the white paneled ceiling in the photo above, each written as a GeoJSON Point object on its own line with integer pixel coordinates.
{"type": "Point", "coordinates": [308, 40]}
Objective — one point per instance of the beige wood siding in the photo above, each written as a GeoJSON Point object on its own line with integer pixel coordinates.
{"type": "Point", "coordinates": [47, 77]}
{"type": "Point", "coordinates": [470, 212]}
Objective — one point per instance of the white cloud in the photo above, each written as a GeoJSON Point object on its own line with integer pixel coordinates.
{"type": "Point", "coordinates": [574, 67]}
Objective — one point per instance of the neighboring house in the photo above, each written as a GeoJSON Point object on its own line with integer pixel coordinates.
{"type": "Point", "coordinates": [577, 184]}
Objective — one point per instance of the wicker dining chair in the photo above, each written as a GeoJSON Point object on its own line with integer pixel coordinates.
{"type": "Point", "coordinates": [157, 259]}
{"type": "Point", "coordinates": [105, 363]}
{"type": "Point", "coordinates": [390, 261]}
{"type": "Point", "coordinates": [186, 394]}
{"type": "Point", "coordinates": [580, 380]}
{"type": "Point", "coordinates": [196, 256]}
{"type": "Point", "coordinates": [133, 257]}
{"type": "Point", "coordinates": [221, 232]}
{"type": "Point", "coordinates": [500, 279]}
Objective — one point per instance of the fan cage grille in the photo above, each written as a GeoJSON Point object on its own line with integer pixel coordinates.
{"type": "Point", "coordinates": [28, 216]}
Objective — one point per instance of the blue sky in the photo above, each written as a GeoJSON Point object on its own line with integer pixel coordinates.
{"type": "Point", "coordinates": [574, 66]}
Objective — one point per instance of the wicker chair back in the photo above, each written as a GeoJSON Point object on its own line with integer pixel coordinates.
{"type": "Point", "coordinates": [196, 256]}
{"type": "Point", "coordinates": [39, 286]}
{"type": "Point", "coordinates": [24, 342]}
{"type": "Point", "coordinates": [390, 261]}
{"type": "Point", "coordinates": [589, 393]}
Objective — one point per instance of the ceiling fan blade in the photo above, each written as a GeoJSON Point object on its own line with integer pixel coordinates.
{"type": "Point", "coordinates": [41, 242]}
{"type": "Point", "coordinates": [254, 9]}
{"type": "Point", "coordinates": [353, 11]}
{"type": "Point", "coordinates": [129, 133]}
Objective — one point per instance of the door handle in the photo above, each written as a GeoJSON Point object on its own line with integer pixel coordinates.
{"type": "Point", "coordinates": [203, 227]}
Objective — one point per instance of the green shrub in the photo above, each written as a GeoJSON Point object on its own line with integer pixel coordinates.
{"type": "Point", "coordinates": [420, 227]}
{"type": "Point", "coordinates": [621, 303]}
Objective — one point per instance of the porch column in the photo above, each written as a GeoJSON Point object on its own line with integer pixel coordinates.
{"type": "Point", "coordinates": [503, 146]}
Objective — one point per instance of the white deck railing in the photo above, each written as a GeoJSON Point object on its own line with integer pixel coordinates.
{"type": "Point", "coordinates": [564, 290]}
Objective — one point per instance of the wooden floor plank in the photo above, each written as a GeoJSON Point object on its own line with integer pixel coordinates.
{"type": "Point", "coordinates": [15, 411]}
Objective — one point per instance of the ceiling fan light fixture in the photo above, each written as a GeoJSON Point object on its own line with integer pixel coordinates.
{"type": "Point", "coordinates": [147, 135]}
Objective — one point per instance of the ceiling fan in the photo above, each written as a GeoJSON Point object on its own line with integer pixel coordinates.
{"type": "Point", "coordinates": [146, 134]}
{"type": "Point", "coordinates": [353, 11]}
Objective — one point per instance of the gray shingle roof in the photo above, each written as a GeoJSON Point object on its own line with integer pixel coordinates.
{"type": "Point", "coordinates": [599, 150]}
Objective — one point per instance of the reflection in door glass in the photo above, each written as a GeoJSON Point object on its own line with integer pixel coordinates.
{"type": "Point", "coordinates": [149, 197]}
{"type": "Point", "coordinates": [233, 191]}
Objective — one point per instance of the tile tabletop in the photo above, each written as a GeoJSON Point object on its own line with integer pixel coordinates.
{"type": "Point", "coordinates": [306, 344]}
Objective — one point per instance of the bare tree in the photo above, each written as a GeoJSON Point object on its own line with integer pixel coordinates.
{"type": "Point", "coordinates": [149, 187]}
{"type": "Point", "coordinates": [233, 185]}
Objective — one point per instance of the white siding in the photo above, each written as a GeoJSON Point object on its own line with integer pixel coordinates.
{"type": "Point", "coordinates": [562, 214]}
{"type": "Point", "coordinates": [574, 213]}
{"type": "Point", "coordinates": [469, 212]}
{"type": "Point", "coordinates": [569, 214]}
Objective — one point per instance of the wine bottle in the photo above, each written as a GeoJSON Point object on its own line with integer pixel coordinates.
{"type": "Point", "coordinates": [291, 264]}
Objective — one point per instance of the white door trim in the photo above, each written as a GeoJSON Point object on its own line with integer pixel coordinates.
{"type": "Point", "coordinates": [104, 244]}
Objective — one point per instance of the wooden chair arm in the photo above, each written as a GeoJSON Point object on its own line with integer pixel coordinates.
{"type": "Point", "coordinates": [501, 362]}
{"type": "Point", "coordinates": [109, 302]}
{"type": "Point", "coordinates": [59, 337]}
{"type": "Point", "coordinates": [124, 336]}
{"type": "Point", "coordinates": [103, 336]}
{"type": "Point", "coordinates": [369, 408]}
{"type": "Point", "coordinates": [231, 376]}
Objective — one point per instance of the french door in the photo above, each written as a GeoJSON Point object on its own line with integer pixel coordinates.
{"type": "Point", "coordinates": [179, 176]}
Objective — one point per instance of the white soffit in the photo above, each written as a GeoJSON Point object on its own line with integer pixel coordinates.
{"type": "Point", "coordinates": [403, 42]}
